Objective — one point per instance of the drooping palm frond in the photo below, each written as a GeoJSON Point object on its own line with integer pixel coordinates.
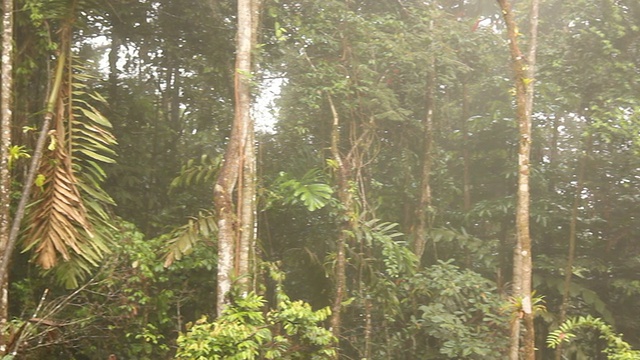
{"type": "Point", "coordinates": [68, 220]}
{"type": "Point", "coordinates": [184, 238]}
{"type": "Point", "coordinates": [197, 172]}
{"type": "Point", "coordinates": [58, 222]}
{"type": "Point", "coordinates": [92, 145]}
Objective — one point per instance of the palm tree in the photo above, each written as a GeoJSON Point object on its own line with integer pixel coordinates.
{"type": "Point", "coordinates": [66, 220]}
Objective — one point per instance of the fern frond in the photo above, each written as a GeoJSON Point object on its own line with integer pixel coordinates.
{"type": "Point", "coordinates": [617, 348]}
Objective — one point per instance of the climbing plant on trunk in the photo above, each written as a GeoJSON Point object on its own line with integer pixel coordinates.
{"type": "Point", "coordinates": [235, 217]}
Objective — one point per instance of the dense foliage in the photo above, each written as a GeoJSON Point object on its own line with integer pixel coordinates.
{"type": "Point", "coordinates": [387, 170]}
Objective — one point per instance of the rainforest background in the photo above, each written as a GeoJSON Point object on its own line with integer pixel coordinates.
{"type": "Point", "coordinates": [211, 179]}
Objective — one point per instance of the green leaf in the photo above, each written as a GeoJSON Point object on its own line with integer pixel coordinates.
{"type": "Point", "coordinates": [95, 156]}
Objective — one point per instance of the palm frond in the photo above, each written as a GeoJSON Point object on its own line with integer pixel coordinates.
{"type": "Point", "coordinates": [185, 237]}
{"type": "Point", "coordinates": [68, 220]}
{"type": "Point", "coordinates": [204, 170]}
{"type": "Point", "coordinates": [92, 144]}
{"type": "Point", "coordinates": [59, 221]}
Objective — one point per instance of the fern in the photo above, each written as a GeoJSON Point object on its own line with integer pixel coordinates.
{"type": "Point", "coordinates": [617, 349]}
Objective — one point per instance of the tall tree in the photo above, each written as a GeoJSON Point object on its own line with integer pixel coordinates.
{"type": "Point", "coordinates": [6, 95]}
{"type": "Point", "coordinates": [424, 211]}
{"type": "Point", "coordinates": [523, 68]}
{"type": "Point", "coordinates": [572, 237]}
{"type": "Point", "coordinates": [234, 218]}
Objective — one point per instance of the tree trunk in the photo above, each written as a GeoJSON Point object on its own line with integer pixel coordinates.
{"type": "Point", "coordinates": [524, 71]}
{"type": "Point", "coordinates": [571, 252]}
{"type": "Point", "coordinates": [553, 154]}
{"type": "Point", "coordinates": [228, 221]}
{"type": "Point", "coordinates": [5, 143]}
{"type": "Point", "coordinates": [245, 245]}
{"type": "Point", "coordinates": [345, 198]}
{"type": "Point", "coordinates": [246, 214]}
{"type": "Point", "coordinates": [466, 178]}
{"type": "Point", "coordinates": [517, 290]}
{"type": "Point", "coordinates": [34, 166]}
{"type": "Point", "coordinates": [114, 49]}
{"type": "Point", "coordinates": [423, 212]}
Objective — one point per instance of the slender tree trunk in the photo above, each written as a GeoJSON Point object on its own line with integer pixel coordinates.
{"type": "Point", "coordinates": [345, 198]}
{"type": "Point", "coordinates": [571, 252]}
{"type": "Point", "coordinates": [348, 175]}
{"type": "Point", "coordinates": [37, 154]}
{"type": "Point", "coordinates": [228, 221]}
{"type": "Point", "coordinates": [423, 212]}
{"type": "Point", "coordinates": [6, 96]}
{"type": "Point", "coordinates": [114, 49]}
{"type": "Point", "coordinates": [466, 178]}
{"type": "Point", "coordinates": [247, 191]}
{"type": "Point", "coordinates": [525, 135]}
{"type": "Point", "coordinates": [524, 78]}
{"type": "Point", "coordinates": [246, 214]}
{"type": "Point", "coordinates": [368, 327]}
{"type": "Point", "coordinates": [517, 291]}
{"type": "Point", "coordinates": [553, 154]}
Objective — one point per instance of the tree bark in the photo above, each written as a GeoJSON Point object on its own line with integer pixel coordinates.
{"type": "Point", "coordinates": [523, 69]}
{"type": "Point", "coordinates": [114, 49]}
{"type": "Point", "coordinates": [553, 154]}
{"type": "Point", "coordinates": [228, 221]}
{"type": "Point", "coordinates": [423, 212]}
{"type": "Point", "coordinates": [5, 143]}
{"type": "Point", "coordinates": [246, 214]}
{"type": "Point", "coordinates": [345, 198]}
{"type": "Point", "coordinates": [245, 244]}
